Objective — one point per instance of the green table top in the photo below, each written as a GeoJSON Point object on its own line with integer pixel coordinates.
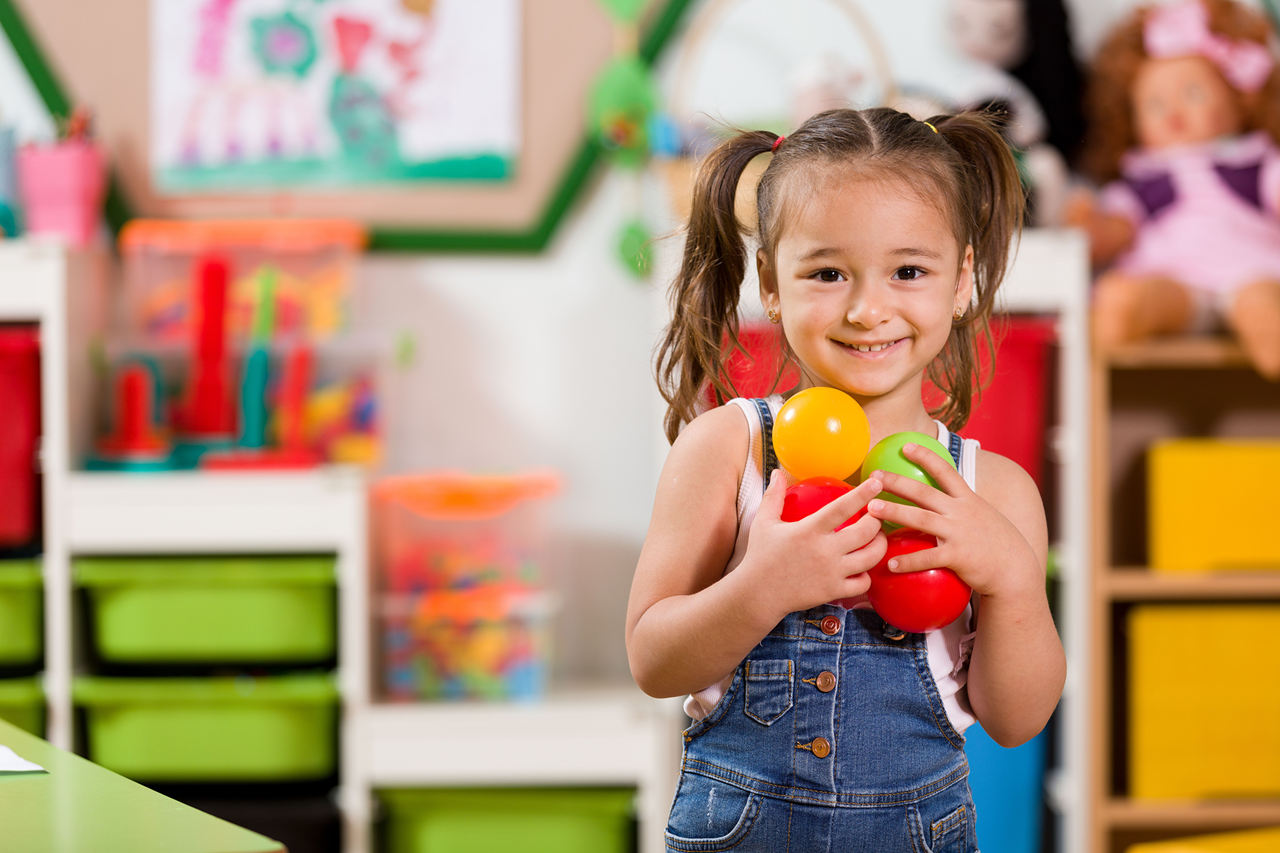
{"type": "Point", "coordinates": [78, 806]}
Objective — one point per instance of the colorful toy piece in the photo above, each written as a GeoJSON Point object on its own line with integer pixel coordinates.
{"type": "Point", "coordinates": [887, 456]}
{"type": "Point", "coordinates": [136, 443]}
{"type": "Point", "coordinates": [208, 416]}
{"type": "Point", "coordinates": [916, 601]}
{"type": "Point", "coordinates": [821, 432]}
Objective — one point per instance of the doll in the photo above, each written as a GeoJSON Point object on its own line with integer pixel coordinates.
{"type": "Point", "coordinates": [1185, 118]}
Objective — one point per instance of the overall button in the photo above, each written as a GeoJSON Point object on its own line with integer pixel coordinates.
{"type": "Point", "coordinates": [891, 633]}
{"type": "Point", "coordinates": [826, 682]}
{"type": "Point", "coordinates": [830, 625]}
{"type": "Point", "coordinates": [821, 747]}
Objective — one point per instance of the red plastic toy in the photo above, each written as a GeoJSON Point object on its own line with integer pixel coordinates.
{"type": "Point", "coordinates": [916, 601]}
{"type": "Point", "coordinates": [808, 496]}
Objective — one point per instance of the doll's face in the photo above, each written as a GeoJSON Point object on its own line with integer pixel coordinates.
{"type": "Point", "coordinates": [991, 31]}
{"type": "Point", "coordinates": [1183, 101]}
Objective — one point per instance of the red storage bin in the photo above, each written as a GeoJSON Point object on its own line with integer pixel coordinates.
{"type": "Point", "coordinates": [1012, 418]}
{"type": "Point", "coordinates": [19, 432]}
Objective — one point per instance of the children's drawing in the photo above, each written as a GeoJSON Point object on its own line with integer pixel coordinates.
{"type": "Point", "coordinates": [248, 94]}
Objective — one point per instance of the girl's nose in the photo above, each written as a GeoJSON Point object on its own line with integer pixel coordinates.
{"type": "Point", "coordinates": [869, 306]}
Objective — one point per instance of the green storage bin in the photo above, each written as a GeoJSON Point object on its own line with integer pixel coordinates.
{"type": "Point", "coordinates": [499, 820]}
{"type": "Point", "coordinates": [22, 703]}
{"type": "Point", "coordinates": [239, 729]}
{"type": "Point", "coordinates": [211, 609]}
{"type": "Point", "coordinates": [20, 622]}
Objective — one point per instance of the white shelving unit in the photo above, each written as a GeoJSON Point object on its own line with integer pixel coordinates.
{"type": "Point", "coordinates": [1050, 275]}
{"type": "Point", "coordinates": [588, 735]}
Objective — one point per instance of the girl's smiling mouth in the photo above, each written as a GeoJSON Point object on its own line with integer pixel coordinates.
{"type": "Point", "coordinates": [871, 349]}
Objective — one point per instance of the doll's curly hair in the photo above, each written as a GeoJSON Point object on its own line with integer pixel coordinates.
{"type": "Point", "coordinates": [1109, 106]}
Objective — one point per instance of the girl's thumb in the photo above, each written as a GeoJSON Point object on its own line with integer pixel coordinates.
{"type": "Point", "coordinates": [774, 495]}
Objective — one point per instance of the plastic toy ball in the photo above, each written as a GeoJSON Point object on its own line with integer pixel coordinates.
{"type": "Point", "coordinates": [916, 601]}
{"type": "Point", "coordinates": [887, 456]}
{"type": "Point", "coordinates": [821, 432]}
{"type": "Point", "coordinates": [808, 496]}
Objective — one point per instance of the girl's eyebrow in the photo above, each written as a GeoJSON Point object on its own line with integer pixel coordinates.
{"type": "Point", "coordinates": [812, 254]}
{"type": "Point", "coordinates": [917, 253]}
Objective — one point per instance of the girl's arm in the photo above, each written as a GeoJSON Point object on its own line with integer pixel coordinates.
{"type": "Point", "coordinates": [997, 541]}
{"type": "Point", "coordinates": [689, 624]}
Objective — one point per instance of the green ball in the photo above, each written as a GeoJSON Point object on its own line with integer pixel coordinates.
{"type": "Point", "coordinates": [887, 456]}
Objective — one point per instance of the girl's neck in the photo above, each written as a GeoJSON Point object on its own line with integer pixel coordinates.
{"type": "Point", "coordinates": [899, 411]}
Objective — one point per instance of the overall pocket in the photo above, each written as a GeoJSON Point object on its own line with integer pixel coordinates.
{"type": "Point", "coordinates": [708, 816]}
{"type": "Point", "coordinates": [948, 834]}
{"type": "Point", "coordinates": [768, 690]}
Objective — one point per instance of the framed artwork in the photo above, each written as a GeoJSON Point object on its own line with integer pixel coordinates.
{"type": "Point", "coordinates": [290, 125]}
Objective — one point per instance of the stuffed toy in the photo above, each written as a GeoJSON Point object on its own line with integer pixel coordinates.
{"type": "Point", "coordinates": [1184, 109]}
{"type": "Point", "coordinates": [1026, 68]}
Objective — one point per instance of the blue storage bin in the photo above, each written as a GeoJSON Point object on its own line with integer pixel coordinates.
{"type": "Point", "coordinates": [1008, 791]}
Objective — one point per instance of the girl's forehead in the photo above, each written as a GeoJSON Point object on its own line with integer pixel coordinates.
{"type": "Point", "coordinates": [867, 211]}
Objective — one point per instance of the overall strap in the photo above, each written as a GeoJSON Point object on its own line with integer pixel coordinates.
{"type": "Point", "coordinates": [766, 422]}
{"type": "Point", "coordinates": [955, 444]}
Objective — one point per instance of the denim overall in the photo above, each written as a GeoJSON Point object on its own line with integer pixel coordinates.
{"type": "Point", "coordinates": [831, 737]}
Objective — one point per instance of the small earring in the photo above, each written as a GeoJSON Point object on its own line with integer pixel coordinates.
{"type": "Point", "coordinates": [773, 316]}
{"type": "Point", "coordinates": [959, 313]}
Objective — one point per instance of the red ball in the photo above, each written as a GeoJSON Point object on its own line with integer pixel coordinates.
{"type": "Point", "coordinates": [808, 496]}
{"type": "Point", "coordinates": [916, 601]}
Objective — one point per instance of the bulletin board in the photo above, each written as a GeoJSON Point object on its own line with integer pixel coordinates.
{"type": "Point", "coordinates": [99, 54]}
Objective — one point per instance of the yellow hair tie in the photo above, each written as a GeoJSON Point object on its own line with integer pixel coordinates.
{"type": "Point", "coordinates": [931, 127]}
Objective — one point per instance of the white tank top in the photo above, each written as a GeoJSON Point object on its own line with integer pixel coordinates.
{"type": "Point", "coordinates": [948, 647]}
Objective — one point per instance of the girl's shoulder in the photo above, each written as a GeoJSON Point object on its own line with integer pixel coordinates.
{"type": "Point", "coordinates": [713, 444]}
{"type": "Point", "coordinates": [1001, 479]}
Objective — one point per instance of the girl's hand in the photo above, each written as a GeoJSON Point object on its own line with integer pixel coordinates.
{"type": "Point", "coordinates": [975, 540]}
{"type": "Point", "coordinates": [802, 564]}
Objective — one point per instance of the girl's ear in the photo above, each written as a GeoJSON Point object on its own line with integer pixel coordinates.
{"type": "Point", "coordinates": [768, 281]}
{"type": "Point", "coordinates": [964, 283]}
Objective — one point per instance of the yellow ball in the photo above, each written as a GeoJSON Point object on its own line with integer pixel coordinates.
{"type": "Point", "coordinates": [821, 432]}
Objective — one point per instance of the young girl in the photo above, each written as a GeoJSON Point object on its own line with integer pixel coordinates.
{"type": "Point", "coordinates": [882, 242]}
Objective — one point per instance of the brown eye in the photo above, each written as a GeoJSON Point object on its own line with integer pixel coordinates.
{"type": "Point", "coordinates": [829, 276]}
{"type": "Point", "coordinates": [908, 273]}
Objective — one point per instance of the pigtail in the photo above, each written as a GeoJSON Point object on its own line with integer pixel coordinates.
{"type": "Point", "coordinates": [705, 292]}
{"type": "Point", "coordinates": [996, 204]}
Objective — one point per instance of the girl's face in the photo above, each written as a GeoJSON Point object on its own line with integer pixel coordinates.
{"type": "Point", "coordinates": [1183, 101]}
{"type": "Point", "coordinates": [866, 278]}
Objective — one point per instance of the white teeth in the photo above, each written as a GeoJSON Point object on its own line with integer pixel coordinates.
{"type": "Point", "coordinates": [869, 348]}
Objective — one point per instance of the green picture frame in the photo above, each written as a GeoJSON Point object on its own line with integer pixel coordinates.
{"type": "Point", "coordinates": [664, 22]}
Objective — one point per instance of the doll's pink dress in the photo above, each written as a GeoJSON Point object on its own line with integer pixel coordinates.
{"type": "Point", "coordinates": [1206, 215]}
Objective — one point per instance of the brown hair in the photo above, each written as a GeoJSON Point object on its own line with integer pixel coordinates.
{"type": "Point", "coordinates": [1108, 97]}
{"type": "Point", "coordinates": [966, 163]}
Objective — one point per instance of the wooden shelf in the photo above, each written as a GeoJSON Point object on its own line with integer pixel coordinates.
{"type": "Point", "coordinates": [1122, 813]}
{"type": "Point", "coordinates": [1136, 583]}
{"type": "Point", "coordinates": [1182, 352]}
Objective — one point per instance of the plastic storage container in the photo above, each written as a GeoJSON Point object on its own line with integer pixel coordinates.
{"type": "Point", "coordinates": [22, 703]}
{"type": "Point", "coordinates": [239, 729]}
{"type": "Point", "coordinates": [19, 432]}
{"type": "Point", "coordinates": [20, 612]}
{"type": "Point", "coordinates": [531, 820]}
{"type": "Point", "coordinates": [462, 561]}
{"type": "Point", "coordinates": [482, 643]}
{"type": "Point", "coordinates": [1232, 527]}
{"type": "Point", "coordinates": [1008, 791]}
{"type": "Point", "coordinates": [211, 609]}
{"type": "Point", "coordinates": [311, 263]}
{"type": "Point", "coordinates": [1203, 721]}
{"type": "Point", "coordinates": [1248, 841]}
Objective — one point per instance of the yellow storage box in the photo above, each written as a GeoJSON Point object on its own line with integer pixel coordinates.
{"type": "Point", "coordinates": [1204, 717]}
{"type": "Point", "coordinates": [1213, 505]}
{"type": "Point", "coordinates": [1249, 841]}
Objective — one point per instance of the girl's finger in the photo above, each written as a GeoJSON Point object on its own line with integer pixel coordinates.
{"type": "Point", "coordinates": [858, 535]}
{"type": "Point", "coordinates": [907, 516]}
{"type": "Point", "coordinates": [847, 505]}
{"type": "Point", "coordinates": [864, 558]}
{"type": "Point", "coordinates": [855, 585]}
{"type": "Point", "coordinates": [947, 478]}
{"type": "Point", "coordinates": [929, 558]}
{"type": "Point", "coordinates": [920, 494]}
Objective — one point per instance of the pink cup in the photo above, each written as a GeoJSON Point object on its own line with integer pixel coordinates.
{"type": "Point", "coordinates": [62, 187]}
